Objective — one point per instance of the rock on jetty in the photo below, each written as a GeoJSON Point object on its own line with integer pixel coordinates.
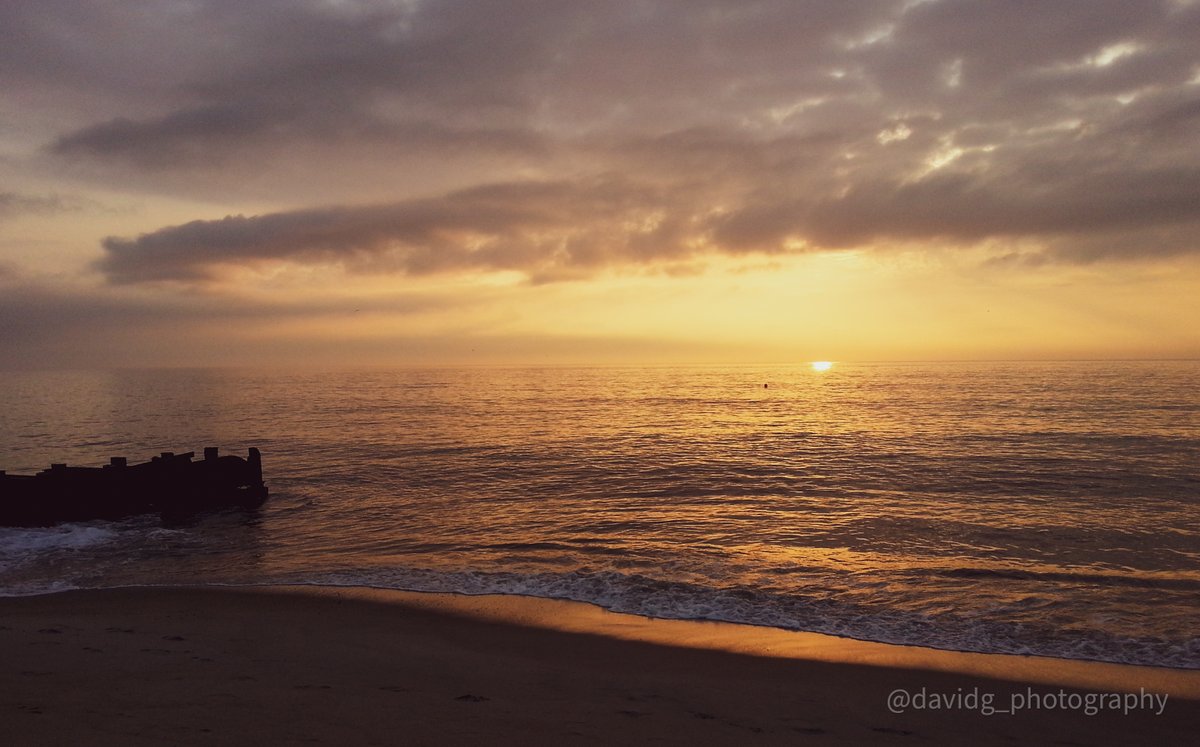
{"type": "Point", "coordinates": [169, 484]}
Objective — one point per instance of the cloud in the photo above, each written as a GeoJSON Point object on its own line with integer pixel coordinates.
{"type": "Point", "coordinates": [47, 323]}
{"type": "Point", "coordinates": [549, 230]}
{"type": "Point", "coordinates": [486, 136]}
{"type": "Point", "coordinates": [533, 227]}
{"type": "Point", "coordinates": [289, 72]}
{"type": "Point", "coordinates": [17, 203]}
{"type": "Point", "coordinates": [181, 136]}
{"type": "Point", "coordinates": [972, 207]}
{"type": "Point", "coordinates": [209, 137]}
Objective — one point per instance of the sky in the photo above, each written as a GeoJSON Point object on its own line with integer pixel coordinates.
{"type": "Point", "coordinates": [444, 182]}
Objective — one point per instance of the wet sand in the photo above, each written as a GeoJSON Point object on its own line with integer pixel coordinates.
{"type": "Point", "coordinates": [348, 666]}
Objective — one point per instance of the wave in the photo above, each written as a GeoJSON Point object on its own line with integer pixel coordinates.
{"type": "Point", "coordinates": [19, 545]}
{"type": "Point", "coordinates": [639, 594]}
{"type": "Point", "coordinates": [1096, 579]}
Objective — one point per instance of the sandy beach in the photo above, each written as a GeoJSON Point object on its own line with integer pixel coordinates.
{"type": "Point", "coordinates": [350, 666]}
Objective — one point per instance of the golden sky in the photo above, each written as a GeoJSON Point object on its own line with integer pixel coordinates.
{"type": "Point", "coordinates": [327, 182]}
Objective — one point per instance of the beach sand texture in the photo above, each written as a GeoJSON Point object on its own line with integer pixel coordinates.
{"type": "Point", "coordinates": [351, 666]}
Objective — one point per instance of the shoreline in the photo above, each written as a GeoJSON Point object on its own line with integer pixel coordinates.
{"type": "Point", "coordinates": [248, 663]}
{"type": "Point", "coordinates": [573, 616]}
{"type": "Point", "coordinates": [796, 643]}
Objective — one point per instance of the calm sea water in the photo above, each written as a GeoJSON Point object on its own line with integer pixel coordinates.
{"type": "Point", "coordinates": [1033, 508]}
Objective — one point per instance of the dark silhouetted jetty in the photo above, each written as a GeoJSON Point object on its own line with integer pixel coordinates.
{"type": "Point", "coordinates": [169, 484]}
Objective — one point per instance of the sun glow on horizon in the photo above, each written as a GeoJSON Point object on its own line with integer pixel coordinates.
{"type": "Point", "coordinates": [821, 366]}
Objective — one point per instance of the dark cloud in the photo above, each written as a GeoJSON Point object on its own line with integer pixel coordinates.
{"type": "Point", "coordinates": [208, 137]}
{"type": "Point", "coordinates": [972, 207]}
{"type": "Point", "coordinates": [16, 203]}
{"type": "Point", "coordinates": [531, 227]}
{"type": "Point", "coordinates": [245, 72]}
{"type": "Point", "coordinates": [565, 229]}
{"type": "Point", "coordinates": [747, 126]}
{"type": "Point", "coordinates": [48, 324]}
{"type": "Point", "coordinates": [189, 135]}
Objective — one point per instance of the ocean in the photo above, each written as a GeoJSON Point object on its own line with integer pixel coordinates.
{"type": "Point", "coordinates": [1035, 508]}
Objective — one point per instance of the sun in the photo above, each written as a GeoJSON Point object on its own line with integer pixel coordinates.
{"type": "Point", "coordinates": [820, 366]}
